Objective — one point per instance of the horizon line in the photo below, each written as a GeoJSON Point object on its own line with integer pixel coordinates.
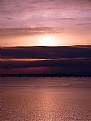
{"type": "Point", "coordinates": [49, 46]}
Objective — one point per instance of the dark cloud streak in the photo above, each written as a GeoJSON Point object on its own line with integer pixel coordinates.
{"type": "Point", "coordinates": [47, 63]}
{"type": "Point", "coordinates": [47, 52]}
{"type": "Point", "coordinates": [65, 59]}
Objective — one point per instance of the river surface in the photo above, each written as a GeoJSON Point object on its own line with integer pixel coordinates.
{"type": "Point", "coordinates": [45, 99]}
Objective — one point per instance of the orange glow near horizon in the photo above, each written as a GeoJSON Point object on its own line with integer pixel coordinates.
{"type": "Point", "coordinates": [60, 39]}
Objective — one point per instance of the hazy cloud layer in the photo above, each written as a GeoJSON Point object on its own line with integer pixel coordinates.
{"type": "Point", "coordinates": [67, 14]}
{"type": "Point", "coordinates": [30, 31]}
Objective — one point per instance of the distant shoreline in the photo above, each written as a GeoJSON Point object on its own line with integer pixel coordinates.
{"type": "Point", "coordinates": [44, 75]}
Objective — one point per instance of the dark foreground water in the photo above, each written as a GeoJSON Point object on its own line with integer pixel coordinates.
{"type": "Point", "coordinates": [45, 99]}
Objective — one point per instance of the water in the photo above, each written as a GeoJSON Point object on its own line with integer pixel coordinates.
{"type": "Point", "coordinates": [45, 99]}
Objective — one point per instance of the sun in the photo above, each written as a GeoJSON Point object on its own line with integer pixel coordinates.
{"type": "Point", "coordinates": [47, 40]}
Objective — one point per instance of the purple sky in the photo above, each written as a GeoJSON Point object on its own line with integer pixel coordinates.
{"type": "Point", "coordinates": [71, 15]}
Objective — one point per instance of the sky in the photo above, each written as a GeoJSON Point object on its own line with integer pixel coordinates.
{"type": "Point", "coordinates": [27, 26]}
{"type": "Point", "coordinates": [67, 14]}
{"type": "Point", "coordinates": [69, 22]}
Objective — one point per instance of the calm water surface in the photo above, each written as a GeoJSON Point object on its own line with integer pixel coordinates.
{"type": "Point", "coordinates": [45, 99]}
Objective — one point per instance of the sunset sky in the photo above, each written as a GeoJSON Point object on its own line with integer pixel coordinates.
{"type": "Point", "coordinates": [68, 22]}
{"type": "Point", "coordinates": [28, 23]}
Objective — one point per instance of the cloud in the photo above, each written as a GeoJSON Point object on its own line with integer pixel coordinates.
{"type": "Point", "coordinates": [65, 59]}
{"type": "Point", "coordinates": [47, 63]}
{"type": "Point", "coordinates": [48, 66]}
{"type": "Point", "coordinates": [43, 12]}
{"type": "Point", "coordinates": [30, 31]}
{"type": "Point", "coordinates": [47, 52]}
